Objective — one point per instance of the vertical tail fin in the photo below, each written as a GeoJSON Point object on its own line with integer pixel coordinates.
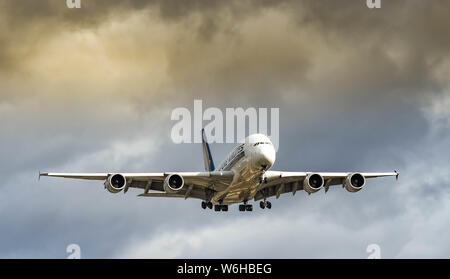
{"type": "Point", "coordinates": [207, 157]}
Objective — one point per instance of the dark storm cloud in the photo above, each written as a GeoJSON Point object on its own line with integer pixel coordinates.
{"type": "Point", "coordinates": [418, 25]}
{"type": "Point", "coordinates": [320, 45]}
{"type": "Point", "coordinates": [228, 51]}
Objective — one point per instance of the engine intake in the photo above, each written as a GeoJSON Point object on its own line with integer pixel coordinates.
{"type": "Point", "coordinates": [173, 183]}
{"type": "Point", "coordinates": [354, 182]}
{"type": "Point", "coordinates": [115, 183]}
{"type": "Point", "coordinates": [313, 183]}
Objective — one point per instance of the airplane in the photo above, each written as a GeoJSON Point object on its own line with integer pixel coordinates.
{"type": "Point", "coordinates": [244, 175]}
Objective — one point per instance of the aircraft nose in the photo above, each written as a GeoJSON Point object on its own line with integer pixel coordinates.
{"type": "Point", "coordinates": [265, 158]}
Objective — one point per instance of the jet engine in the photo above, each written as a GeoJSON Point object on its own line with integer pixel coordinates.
{"type": "Point", "coordinates": [354, 182]}
{"type": "Point", "coordinates": [313, 183]}
{"type": "Point", "coordinates": [115, 183]}
{"type": "Point", "coordinates": [173, 183]}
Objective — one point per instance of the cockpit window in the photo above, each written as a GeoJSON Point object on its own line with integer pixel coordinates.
{"type": "Point", "coordinates": [263, 142]}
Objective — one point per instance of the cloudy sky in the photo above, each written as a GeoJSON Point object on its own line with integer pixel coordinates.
{"type": "Point", "coordinates": [92, 89]}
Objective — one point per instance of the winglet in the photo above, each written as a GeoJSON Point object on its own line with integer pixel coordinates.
{"type": "Point", "coordinates": [42, 174]}
{"type": "Point", "coordinates": [397, 174]}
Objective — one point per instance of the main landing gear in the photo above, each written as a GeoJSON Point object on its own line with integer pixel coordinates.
{"type": "Point", "coordinates": [221, 207]}
{"type": "Point", "coordinates": [265, 204]}
{"type": "Point", "coordinates": [207, 205]}
{"type": "Point", "coordinates": [217, 207]}
{"type": "Point", "coordinates": [242, 207]}
{"type": "Point", "coordinates": [245, 207]}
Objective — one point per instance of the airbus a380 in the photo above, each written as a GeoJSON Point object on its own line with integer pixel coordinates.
{"type": "Point", "coordinates": [244, 175]}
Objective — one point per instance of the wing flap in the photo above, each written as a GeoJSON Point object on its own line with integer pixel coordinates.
{"type": "Point", "coordinates": [278, 182]}
{"type": "Point", "coordinates": [214, 180]}
{"type": "Point", "coordinates": [166, 195]}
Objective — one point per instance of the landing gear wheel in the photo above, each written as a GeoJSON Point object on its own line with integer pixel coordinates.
{"type": "Point", "coordinates": [225, 207]}
{"type": "Point", "coordinates": [217, 207]}
{"type": "Point", "coordinates": [203, 205]}
{"type": "Point", "coordinates": [209, 205]}
{"type": "Point", "coordinates": [262, 204]}
{"type": "Point", "coordinates": [242, 207]}
{"type": "Point", "coordinates": [269, 205]}
{"type": "Point", "coordinates": [248, 207]}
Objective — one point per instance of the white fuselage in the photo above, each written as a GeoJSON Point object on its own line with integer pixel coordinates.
{"type": "Point", "coordinates": [248, 161]}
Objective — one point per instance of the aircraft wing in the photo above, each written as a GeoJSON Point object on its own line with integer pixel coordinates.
{"type": "Point", "coordinates": [197, 184]}
{"type": "Point", "coordinates": [279, 182]}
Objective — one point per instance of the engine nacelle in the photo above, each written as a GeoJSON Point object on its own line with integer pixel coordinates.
{"type": "Point", "coordinates": [173, 183]}
{"type": "Point", "coordinates": [354, 182]}
{"type": "Point", "coordinates": [313, 182]}
{"type": "Point", "coordinates": [115, 183]}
